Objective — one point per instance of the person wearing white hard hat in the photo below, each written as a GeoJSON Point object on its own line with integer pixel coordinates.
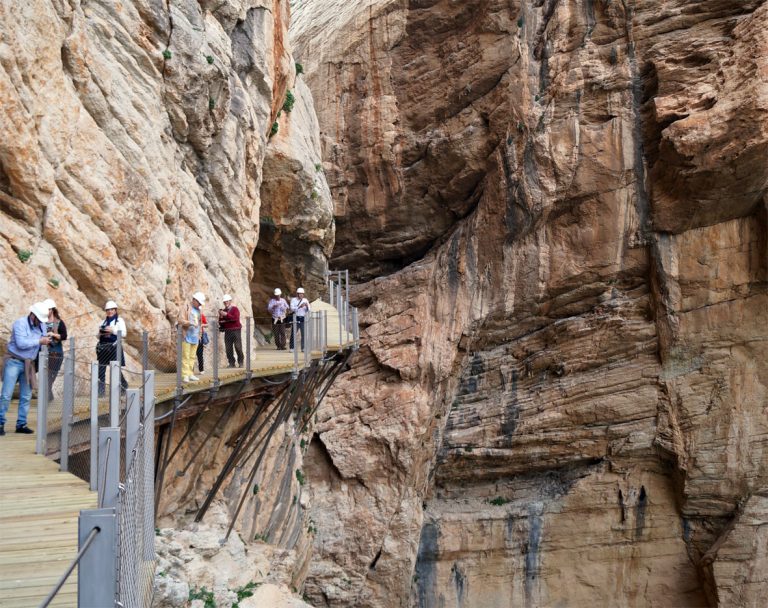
{"type": "Point", "coordinates": [57, 332]}
{"type": "Point", "coordinates": [27, 335]}
{"type": "Point", "coordinates": [278, 308]}
{"type": "Point", "coordinates": [111, 329]}
{"type": "Point", "coordinates": [229, 324]}
{"type": "Point", "coordinates": [300, 308]}
{"type": "Point", "coordinates": [192, 323]}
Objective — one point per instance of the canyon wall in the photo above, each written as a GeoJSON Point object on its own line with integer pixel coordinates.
{"type": "Point", "coordinates": [556, 214]}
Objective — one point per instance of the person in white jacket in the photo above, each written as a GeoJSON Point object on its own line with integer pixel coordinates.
{"type": "Point", "coordinates": [106, 350]}
{"type": "Point", "coordinates": [299, 308]}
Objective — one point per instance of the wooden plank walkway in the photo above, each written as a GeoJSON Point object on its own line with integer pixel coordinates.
{"type": "Point", "coordinates": [39, 505]}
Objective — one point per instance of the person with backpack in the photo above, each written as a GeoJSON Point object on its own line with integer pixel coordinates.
{"type": "Point", "coordinates": [28, 333]}
{"type": "Point", "coordinates": [106, 350]}
{"type": "Point", "coordinates": [57, 331]}
{"type": "Point", "coordinates": [278, 308]}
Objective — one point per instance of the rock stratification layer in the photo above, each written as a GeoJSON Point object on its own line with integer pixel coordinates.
{"type": "Point", "coordinates": [560, 398]}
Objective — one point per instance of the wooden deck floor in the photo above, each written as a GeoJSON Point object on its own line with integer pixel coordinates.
{"type": "Point", "coordinates": [39, 505]}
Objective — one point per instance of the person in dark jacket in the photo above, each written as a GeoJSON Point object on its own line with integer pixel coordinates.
{"type": "Point", "coordinates": [229, 323]}
{"type": "Point", "coordinates": [106, 349]}
{"type": "Point", "coordinates": [57, 331]}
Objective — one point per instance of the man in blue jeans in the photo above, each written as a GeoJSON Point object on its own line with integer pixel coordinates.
{"type": "Point", "coordinates": [27, 334]}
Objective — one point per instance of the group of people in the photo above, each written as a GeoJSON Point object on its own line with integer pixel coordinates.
{"type": "Point", "coordinates": [44, 326]}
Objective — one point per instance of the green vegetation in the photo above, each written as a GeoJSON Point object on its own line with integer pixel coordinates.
{"type": "Point", "coordinates": [24, 255]}
{"type": "Point", "coordinates": [203, 594]}
{"type": "Point", "coordinates": [520, 21]}
{"type": "Point", "coordinates": [289, 102]}
{"type": "Point", "coordinates": [300, 477]}
{"type": "Point", "coordinates": [303, 443]}
{"type": "Point", "coordinates": [266, 219]}
{"type": "Point", "coordinates": [274, 129]}
{"type": "Point", "coordinates": [295, 498]}
{"type": "Point", "coordinates": [168, 280]}
{"type": "Point", "coordinates": [468, 448]}
{"type": "Point", "coordinates": [299, 68]}
{"type": "Point", "coordinates": [261, 537]}
{"type": "Point", "coordinates": [498, 501]}
{"type": "Point", "coordinates": [256, 489]}
{"type": "Point", "coordinates": [535, 98]}
{"type": "Point", "coordinates": [244, 592]}
{"type": "Point", "coordinates": [166, 54]}
{"type": "Point", "coordinates": [209, 58]}
{"type": "Point", "coordinates": [312, 528]}
{"type": "Point", "coordinates": [318, 167]}
{"type": "Point", "coordinates": [211, 103]}
{"type": "Point", "coordinates": [178, 244]}
{"type": "Point", "coordinates": [53, 283]}
{"type": "Point", "coordinates": [314, 195]}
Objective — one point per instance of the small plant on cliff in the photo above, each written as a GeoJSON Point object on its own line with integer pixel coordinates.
{"type": "Point", "coordinates": [261, 537]}
{"type": "Point", "coordinates": [53, 283]}
{"type": "Point", "coordinates": [314, 195]}
{"type": "Point", "coordinates": [498, 501]}
{"type": "Point", "coordinates": [290, 100]}
{"type": "Point", "coordinates": [24, 255]}
{"type": "Point", "coordinates": [178, 244]}
{"type": "Point", "coordinates": [244, 592]}
{"type": "Point", "coordinates": [299, 68]}
{"type": "Point", "coordinates": [300, 477]}
{"type": "Point", "coordinates": [167, 54]}
{"type": "Point", "coordinates": [256, 489]}
{"type": "Point", "coordinates": [303, 443]}
{"type": "Point", "coordinates": [168, 280]}
{"type": "Point", "coordinates": [211, 103]}
{"type": "Point", "coordinates": [267, 220]}
{"type": "Point", "coordinates": [274, 129]}
{"type": "Point", "coordinates": [520, 21]}
{"type": "Point", "coordinates": [209, 58]}
{"type": "Point", "coordinates": [203, 594]}
{"type": "Point", "coordinates": [318, 167]}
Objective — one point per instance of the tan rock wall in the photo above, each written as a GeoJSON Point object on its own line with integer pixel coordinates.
{"type": "Point", "coordinates": [585, 178]}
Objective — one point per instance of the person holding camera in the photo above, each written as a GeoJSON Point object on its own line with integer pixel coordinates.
{"type": "Point", "coordinates": [57, 331]}
{"type": "Point", "coordinates": [278, 308]}
{"type": "Point", "coordinates": [106, 350]}
{"type": "Point", "coordinates": [27, 335]}
{"type": "Point", "coordinates": [300, 308]}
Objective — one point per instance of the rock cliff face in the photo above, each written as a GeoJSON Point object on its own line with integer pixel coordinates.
{"type": "Point", "coordinates": [557, 213]}
{"type": "Point", "coordinates": [134, 137]}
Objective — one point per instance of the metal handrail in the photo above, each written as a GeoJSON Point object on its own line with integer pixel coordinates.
{"type": "Point", "coordinates": [86, 545]}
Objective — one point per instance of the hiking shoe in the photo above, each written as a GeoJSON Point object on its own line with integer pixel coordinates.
{"type": "Point", "coordinates": [2, 430]}
{"type": "Point", "coordinates": [185, 378]}
{"type": "Point", "coordinates": [24, 429]}
{"type": "Point", "coordinates": [193, 378]}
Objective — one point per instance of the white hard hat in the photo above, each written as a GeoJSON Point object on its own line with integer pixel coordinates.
{"type": "Point", "coordinates": [300, 290]}
{"type": "Point", "coordinates": [278, 292]}
{"type": "Point", "coordinates": [226, 298]}
{"type": "Point", "coordinates": [49, 303]}
{"type": "Point", "coordinates": [110, 304]}
{"type": "Point", "coordinates": [198, 295]}
{"type": "Point", "coordinates": [40, 310]}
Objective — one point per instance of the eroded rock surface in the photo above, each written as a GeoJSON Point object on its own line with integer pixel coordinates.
{"type": "Point", "coordinates": [562, 400]}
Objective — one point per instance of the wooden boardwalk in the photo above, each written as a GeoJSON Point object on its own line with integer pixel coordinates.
{"type": "Point", "coordinates": [39, 505]}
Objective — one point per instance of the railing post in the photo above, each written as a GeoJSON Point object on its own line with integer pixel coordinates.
{"type": "Point", "coordinates": [355, 329]}
{"type": "Point", "coordinates": [179, 389]}
{"type": "Point", "coordinates": [295, 339]}
{"type": "Point", "coordinates": [144, 352]}
{"type": "Point", "coordinates": [148, 419]}
{"type": "Point", "coordinates": [132, 422]}
{"type": "Point", "coordinates": [94, 482]}
{"type": "Point", "coordinates": [346, 300]}
{"type": "Point", "coordinates": [215, 341]}
{"type": "Point", "coordinates": [67, 405]}
{"type": "Point", "coordinates": [114, 393]}
{"type": "Point", "coordinates": [109, 466]}
{"type": "Point", "coordinates": [97, 571]}
{"type": "Point", "coordinates": [306, 337]}
{"type": "Point", "coordinates": [119, 348]}
{"type": "Point", "coordinates": [42, 401]}
{"type": "Point", "coordinates": [248, 346]}
{"type": "Point", "coordinates": [330, 291]}
{"type": "Point", "coordinates": [338, 313]}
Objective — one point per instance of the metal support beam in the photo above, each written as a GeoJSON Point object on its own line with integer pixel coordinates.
{"type": "Point", "coordinates": [97, 572]}
{"type": "Point", "coordinates": [179, 388]}
{"type": "Point", "coordinates": [132, 423]}
{"type": "Point", "coordinates": [148, 419]}
{"type": "Point", "coordinates": [67, 406]}
{"type": "Point", "coordinates": [144, 353]}
{"type": "Point", "coordinates": [215, 341]}
{"type": "Point", "coordinates": [248, 371]}
{"type": "Point", "coordinates": [42, 401]}
{"type": "Point", "coordinates": [295, 340]}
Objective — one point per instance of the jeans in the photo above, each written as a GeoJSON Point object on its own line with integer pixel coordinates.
{"type": "Point", "coordinates": [200, 357]}
{"type": "Point", "coordinates": [55, 359]}
{"type": "Point", "coordinates": [106, 353]}
{"type": "Point", "coordinates": [12, 373]}
{"type": "Point", "coordinates": [233, 341]}
{"type": "Point", "coordinates": [299, 328]}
